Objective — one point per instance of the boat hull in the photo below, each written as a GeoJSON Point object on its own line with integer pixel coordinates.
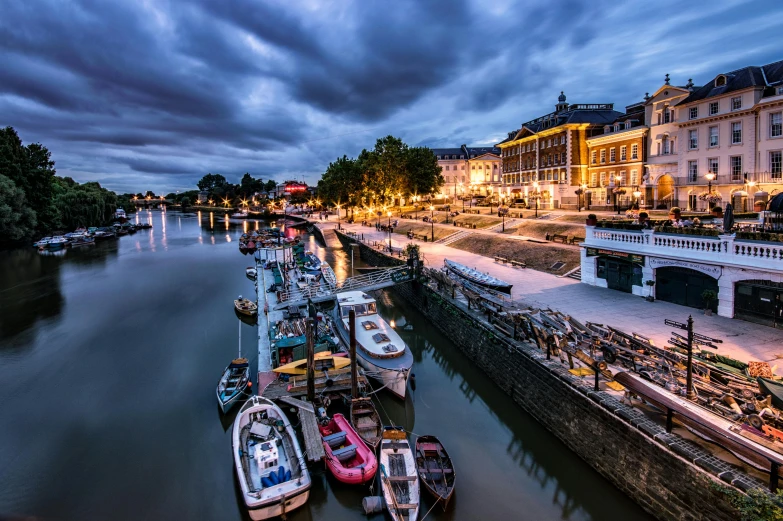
{"type": "Point", "coordinates": [435, 468]}
{"type": "Point", "coordinates": [468, 274]}
{"type": "Point", "coordinates": [395, 380]}
{"type": "Point", "coordinates": [281, 506]}
{"type": "Point", "coordinates": [358, 475]}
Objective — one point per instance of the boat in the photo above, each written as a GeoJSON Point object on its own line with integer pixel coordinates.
{"type": "Point", "coordinates": [379, 349]}
{"type": "Point", "coordinates": [324, 361]}
{"type": "Point", "coordinates": [42, 242]}
{"type": "Point", "coordinates": [476, 277]}
{"type": "Point", "coordinates": [57, 242]}
{"type": "Point", "coordinates": [103, 234]}
{"type": "Point", "coordinates": [347, 457]}
{"type": "Point", "coordinates": [271, 469]}
{"type": "Point", "coordinates": [436, 471]}
{"type": "Point", "coordinates": [366, 421]}
{"type": "Point", "coordinates": [288, 343]}
{"type": "Point", "coordinates": [246, 306]}
{"type": "Point", "coordinates": [773, 388]}
{"type": "Point", "coordinates": [82, 241]}
{"type": "Point", "coordinates": [235, 382]}
{"type": "Point", "coordinates": [251, 272]}
{"type": "Point", "coordinates": [399, 479]}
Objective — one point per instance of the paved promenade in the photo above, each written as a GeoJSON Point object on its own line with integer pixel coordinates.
{"type": "Point", "coordinates": [743, 340]}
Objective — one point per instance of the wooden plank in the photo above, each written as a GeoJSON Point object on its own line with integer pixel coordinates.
{"type": "Point", "coordinates": [402, 478]}
{"type": "Point", "coordinates": [312, 436]}
{"type": "Point", "coordinates": [298, 403]}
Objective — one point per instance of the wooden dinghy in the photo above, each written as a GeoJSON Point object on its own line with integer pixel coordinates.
{"type": "Point", "coordinates": [246, 306]}
{"type": "Point", "coordinates": [347, 457]}
{"type": "Point", "coordinates": [234, 384]}
{"type": "Point", "coordinates": [366, 420]}
{"type": "Point", "coordinates": [435, 468]}
{"type": "Point", "coordinates": [476, 277]}
{"type": "Point", "coordinates": [399, 480]}
{"type": "Point", "coordinates": [324, 361]}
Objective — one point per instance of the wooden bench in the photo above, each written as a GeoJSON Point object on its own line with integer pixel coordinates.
{"type": "Point", "coordinates": [502, 260]}
{"type": "Point", "coordinates": [556, 236]}
{"type": "Point", "coordinates": [518, 264]}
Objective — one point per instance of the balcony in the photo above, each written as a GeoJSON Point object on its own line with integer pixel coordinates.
{"type": "Point", "coordinates": [724, 250]}
{"type": "Point", "coordinates": [733, 179]}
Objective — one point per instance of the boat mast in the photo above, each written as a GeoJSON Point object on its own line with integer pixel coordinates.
{"type": "Point", "coordinates": [240, 339]}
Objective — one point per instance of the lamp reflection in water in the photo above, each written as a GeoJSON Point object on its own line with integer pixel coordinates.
{"type": "Point", "coordinates": [211, 221]}
{"type": "Point", "coordinates": [199, 218]}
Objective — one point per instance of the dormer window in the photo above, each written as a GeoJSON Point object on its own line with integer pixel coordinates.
{"type": "Point", "coordinates": [616, 127]}
{"type": "Point", "coordinates": [720, 81]}
{"type": "Point", "coordinates": [607, 129]}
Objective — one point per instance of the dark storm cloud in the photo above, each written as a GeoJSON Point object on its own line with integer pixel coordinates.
{"type": "Point", "coordinates": [147, 94]}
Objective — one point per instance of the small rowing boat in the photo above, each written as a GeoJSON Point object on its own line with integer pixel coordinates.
{"type": "Point", "coordinates": [347, 457]}
{"type": "Point", "coordinates": [476, 277]}
{"type": "Point", "coordinates": [235, 382]}
{"type": "Point", "coordinates": [246, 306]}
{"type": "Point", "coordinates": [399, 479]}
{"type": "Point", "coordinates": [435, 468]}
{"type": "Point", "coordinates": [366, 420]}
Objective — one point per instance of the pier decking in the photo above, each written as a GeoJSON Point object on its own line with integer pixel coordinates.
{"type": "Point", "coordinates": [314, 449]}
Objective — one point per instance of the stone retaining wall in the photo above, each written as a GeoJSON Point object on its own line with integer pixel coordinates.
{"type": "Point", "coordinates": [669, 476]}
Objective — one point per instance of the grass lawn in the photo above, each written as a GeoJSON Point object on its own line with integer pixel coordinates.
{"type": "Point", "coordinates": [539, 229]}
{"type": "Point", "coordinates": [425, 229]}
{"type": "Point", "coordinates": [481, 221]}
{"type": "Point", "coordinates": [537, 256]}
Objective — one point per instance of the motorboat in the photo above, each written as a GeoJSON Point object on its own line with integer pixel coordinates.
{"type": "Point", "coordinates": [82, 240]}
{"type": "Point", "coordinates": [476, 277]}
{"type": "Point", "coordinates": [366, 421]}
{"type": "Point", "coordinates": [235, 381]}
{"type": "Point", "coordinates": [269, 463]}
{"type": "Point", "coordinates": [246, 306]}
{"type": "Point", "coordinates": [436, 471]}
{"type": "Point", "coordinates": [57, 242]}
{"type": "Point", "coordinates": [42, 242]}
{"type": "Point", "coordinates": [347, 457]}
{"type": "Point", "coordinates": [379, 349]}
{"type": "Point", "coordinates": [399, 478]}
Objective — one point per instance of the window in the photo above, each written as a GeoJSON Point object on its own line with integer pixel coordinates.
{"type": "Point", "coordinates": [780, 90]}
{"type": "Point", "coordinates": [736, 168]}
{"type": "Point", "coordinates": [713, 108]}
{"type": "Point", "coordinates": [562, 157]}
{"type": "Point", "coordinates": [713, 136]}
{"type": "Point", "coordinates": [462, 157]}
{"type": "Point", "coordinates": [634, 151]}
{"type": "Point", "coordinates": [623, 153]}
{"type": "Point", "coordinates": [603, 178]}
{"type": "Point", "coordinates": [562, 139]}
{"type": "Point", "coordinates": [612, 155]}
{"type": "Point", "coordinates": [603, 156]}
{"type": "Point", "coordinates": [634, 177]}
{"type": "Point", "coordinates": [712, 165]}
{"type": "Point", "coordinates": [693, 112]}
{"type": "Point", "coordinates": [620, 179]}
{"type": "Point", "coordinates": [720, 81]}
{"type": "Point", "coordinates": [736, 103]}
{"type": "Point", "coordinates": [736, 132]}
{"type": "Point", "coordinates": [666, 116]}
{"type": "Point", "coordinates": [776, 124]}
{"type": "Point", "coordinates": [693, 139]}
{"type": "Point", "coordinates": [446, 167]}
{"type": "Point", "coordinates": [776, 164]}
{"type": "Point", "coordinates": [693, 171]}
{"type": "Point", "coordinates": [594, 179]}
{"type": "Point", "coordinates": [593, 157]}
{"type": "Point", "coordinates": [666, 146]}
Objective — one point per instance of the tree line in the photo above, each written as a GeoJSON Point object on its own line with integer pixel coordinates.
{"type": "Point", "coordinates": [390, 170]}
{"type": "Point", "coordinates": [35, 202]}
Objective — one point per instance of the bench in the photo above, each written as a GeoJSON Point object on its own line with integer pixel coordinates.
{"type": "Point", "coordinates": [556, 236]}
{"type": "Point", "coordinates": [336, 439]}
{"type": "Point", "coordinates": [502, 260]}
{"type": "Point", "coordinates": [421, 237]}
{"type": "Point", "coordinates": [345, 453]}
{"type": "Point", "coordinates": [402, 478]}
{"type": "Point", "coordinates": [518, 264]}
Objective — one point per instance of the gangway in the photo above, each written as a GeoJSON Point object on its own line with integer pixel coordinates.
{"type": "Point", "coordinates": [300, 295]}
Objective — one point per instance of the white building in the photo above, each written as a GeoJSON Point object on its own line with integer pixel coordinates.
{"type": "Point", "coordinates": [469, 171]}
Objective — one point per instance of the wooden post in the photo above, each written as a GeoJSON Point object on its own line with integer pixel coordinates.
{"type": "Point", "coordinates": [689, 394]}
{"type": "Point", "coordinates": [669, 418]}
{"type": "Point", "coordinates": [310, 360]}
{"type": "Point", "coordinates": [352, 331]}
{"type": "Point", "coordinates": [595, 368]}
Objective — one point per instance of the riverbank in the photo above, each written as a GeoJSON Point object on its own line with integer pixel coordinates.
{"type": "Point", "coordinates": [623, 443]}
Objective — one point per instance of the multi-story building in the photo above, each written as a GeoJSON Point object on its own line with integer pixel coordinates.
{"type": "Point", "coordinates": [616, 161]}
{"type": "Point", "coordinates": [730, 137]}
{"type": "Point", "coordinates": [469, 171]}
{"type": "Point", "coordinates": [662, 163]}
{"type": "Point", "coordinates": [547, 157]}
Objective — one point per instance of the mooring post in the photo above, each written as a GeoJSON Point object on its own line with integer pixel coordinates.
{"type": "Point", "coordinates": [352, 331]}
{"type": "Point", "coordinates": [310, 360]}
{"type": "Point", "coordinates": [774, 476]}
{"type": "Point", "coordinates": [669, 420]}
{"type": "Point", "coordinates": [689, 394]}
{"type": "Point", "coordinates": [548, 348]}
{"type": "Point", "coordinates": [596, 388]}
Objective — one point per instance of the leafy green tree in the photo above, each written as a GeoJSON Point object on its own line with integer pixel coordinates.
{"type": "Point", "coordinates": [185, 202]}
{"type": "Point", "coordinates": [270, 185]}
{"type": "Point", "coordinates": [386, 167]}
{"type": "Point", "coordinates": [249, 185]}
{"type": "Point", "coordinates": [17, 220]}
{"type": "Point", "coordinates": [211, 181]}
{"type": "Point", "coordinates": [151, 194]}
{"type": "Point", "coordinates": [85, 205]}
{"type": "Point", "coordinates": [423, 173]}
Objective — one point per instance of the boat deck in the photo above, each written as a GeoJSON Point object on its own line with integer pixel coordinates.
{"type": "Point", "coordinates": [296, 387]}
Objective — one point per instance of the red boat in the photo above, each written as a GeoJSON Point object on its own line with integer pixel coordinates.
{"type": "Point", "coordinates": [347, 456]}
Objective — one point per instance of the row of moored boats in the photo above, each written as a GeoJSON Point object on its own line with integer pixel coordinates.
{"type": "Point", "coordinates": [87, 236]}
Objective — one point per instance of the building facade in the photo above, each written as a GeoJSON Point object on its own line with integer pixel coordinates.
{"type": "Point", "coordinates": [469, 171]}
{"type": "Point", "coordinates": [546, 160]}
{"type": "Point", "coordinates": [616, 162]}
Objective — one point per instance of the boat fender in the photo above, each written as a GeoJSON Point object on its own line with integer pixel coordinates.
{"type": "Point", "coordinates": [288, 475]}
{"type": "Point", "coordinates": [373, 504]}
{"type": "Point", "coordinates": [266, 482]}
{"type": "Point", "coordinates": [281, 474]}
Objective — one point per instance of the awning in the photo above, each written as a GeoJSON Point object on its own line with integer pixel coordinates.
{"type": "Point", "coordinates": [516, 190]}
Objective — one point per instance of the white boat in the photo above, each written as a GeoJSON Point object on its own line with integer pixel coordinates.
{"type": "Point", "coordinates": [379, 349]}
{"type": "Point", "coordinates": [399, 477]}
{"type": "Point", "coordinates": [251, 273]}
{"type": "Point", "coordinates": [475, 276]}
{"type": "Point", "coordinates": [269, 463]}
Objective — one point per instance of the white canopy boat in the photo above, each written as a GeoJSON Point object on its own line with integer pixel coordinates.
{"type": "Point", "coordinates": [379, 349]}
{"type": "Point", "coordinates": [269, 463]}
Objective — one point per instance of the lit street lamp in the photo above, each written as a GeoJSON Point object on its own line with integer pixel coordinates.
{"type": "Point", "coordinates": [535, 194]}
{"type": "Point", "coordinates": [710, 176]}
{"type": "Point", "coordinates": [338, 216]}
{"type": "Point", "coordinates": [389, 214]}
{"type": "Point", "coordinates": [637, 194]}
{"type": "Point", "coordinates": [432, 222]}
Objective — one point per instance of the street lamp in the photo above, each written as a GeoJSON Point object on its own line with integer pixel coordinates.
{"type": "Point", "coordinates": [536, 195]}
{"type": "Point", "coordinates": [432, 222]}
{"type": "Point", "coordinates": [416, 207]}
{"type": "Point", "coordinates": [637, 194]}
{"type": "Point", "coordinates": [338, 216]}
{"type": "Point", "coordinates": [389, 214]}
{"type": "Point", "coordinates": [710, 176]}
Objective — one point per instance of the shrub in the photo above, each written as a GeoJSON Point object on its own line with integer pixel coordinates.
{"type": "Point", "coordinates": [591, 216]}
{"type": "Point", "coordinates": [644, 215]}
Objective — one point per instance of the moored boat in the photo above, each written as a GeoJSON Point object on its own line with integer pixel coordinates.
{"type": "Point", "coordinates": [435, 468]}
{"type": "Point", "coordinates": [379, 349]}
{"type": "Point", "coordinates": [476, 277]}
{"type": "Point", "coordinates": [366, 421]}
{"type": "Point", "coordinates": [399, 479]}
{"type": "Point", "coordinates": [251, 272]}
{"type": "Point", "coordinates": [234, 384]}
{"type": "Point", "coordinates": [268, 460]}
{"type": "Point", "coordinates": [57, 243]}
{"type": "Point", "coordinates": [347, 457]}
{"type": "Point", "coordinates": [246, 306]}
{"type": "Point", "coordinates": [82, 241]}
{"type": "Point", "coordinates": [324, 361]}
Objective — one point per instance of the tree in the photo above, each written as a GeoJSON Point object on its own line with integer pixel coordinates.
{"type": "Point", "coordinates": [270, 185]}
{"type": "Point", "coordinates": [185, 202]}
{"type": "Point", "coordinates": [17, 220]}
{"type": "Point", "coordinates": [386, 168]}
{"type": "Point", "coordinates": [211, 181]}
{"type": "Point", "coordinates": [423, 173]}
{"type": "Point", "coordinates": [83, 205]}
{"type": "Point", "coordinates": [343, 182]}
{"type": "Point", "coordinates": [150, 194]}
{"type": "Point", "coordinates": [249, 185]}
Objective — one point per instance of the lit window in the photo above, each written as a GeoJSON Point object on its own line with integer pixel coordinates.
{"type": "Point", "coordinates": [693, 139]}
{"type": "Point", "coordinates": [713, 108]}
{"type": "Point", "coordinates": [594, 179]}
{"type": "Point", "coordinates": [612, 155]}
{"type": "Point", "coordinates": [634, 177]}
{"type": "Point", "coordinates": [634, 151]}
{"type": "Point", "coordinates": [736, 168]}
{"type": "Point", "coordinates": [713, 136]}
{"type": "Point", "coordinates": [593, 156]}
{"type": "Point", "coordinates": [736, 132]}
{"type": "Point", "coordinates": [623, 153]}
{"type": "Point", "coordinates": [603, 156]}
{"type": "Point", "coordinates": [776, 124]}
{"type": "Point", "coordinates": [603, 178]}
{"type": "Point", "coordinates": [776, 164]}
{"type": "Point", "coordinates": [736, 103]}
{"type": "Point", "coordinates": [693, 112]}
{"type": "Point", "coordinates": [693, 171]}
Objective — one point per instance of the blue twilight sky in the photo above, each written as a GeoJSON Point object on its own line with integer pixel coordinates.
{"type": "Point", "coordinates": [153, 94]}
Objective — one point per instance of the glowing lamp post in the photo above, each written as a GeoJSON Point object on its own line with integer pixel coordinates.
{"type": "Point", "coordinates": [432, 222]}
{"type": "Point", "coordinates": [710, 176]}
{"type": "Point", "coordinates": [338, 216]}
{"type": "Point", "coordinates": [389, 214]}
{"type": "Point", "coordinates": [536, 195]}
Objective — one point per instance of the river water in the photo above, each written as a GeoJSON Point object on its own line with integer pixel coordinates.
{"type": "Point", "coordinates": [109, 357]}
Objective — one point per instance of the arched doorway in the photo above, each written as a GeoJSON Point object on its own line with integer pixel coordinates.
{"type": "Point", "coordinates": [684, 286]}
{"type": "Point", "coordinates": [665, 191]}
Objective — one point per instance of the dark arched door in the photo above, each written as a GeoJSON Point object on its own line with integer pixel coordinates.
{"type": "Point", "coordinates": [684, 286]}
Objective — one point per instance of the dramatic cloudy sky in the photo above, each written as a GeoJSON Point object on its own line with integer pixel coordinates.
{"type": "Point", "coordinates": [153, 94]}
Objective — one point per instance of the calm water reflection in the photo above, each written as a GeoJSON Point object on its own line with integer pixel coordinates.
{"type": "Point", "coordinates": [108, 360]}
